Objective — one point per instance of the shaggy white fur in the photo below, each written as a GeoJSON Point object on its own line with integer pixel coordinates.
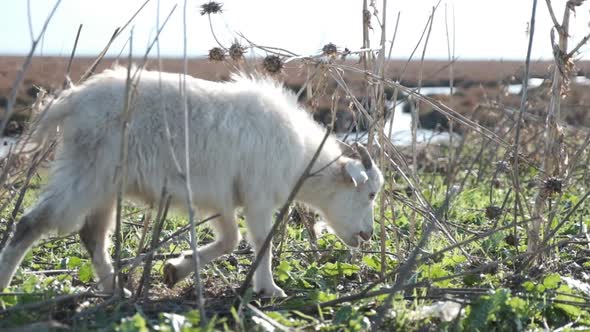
{"type": "Point", "coordinates": [249, 144]}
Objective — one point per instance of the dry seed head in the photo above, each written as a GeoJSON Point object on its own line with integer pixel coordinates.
{"type": "Point", "coordinates": [496, 183]}
{"type": "Point", "coordinates": [211, 7]}
{"type": "Point", "coordinates": [521, 160]}
{"type": "Point", "coordinates": [552, 185]}
{"type": "Point", "coordinates": [409, 191]}
{"type": "Point", "coordinates": [272, 64]}
{"type": "Point", "coordinates": [236, 51]}
{"type": "Point", "coordinates": [216, 54]}
{"type": "Point", "coordinates": [503, 166]}
{"type": "Point", "coordinates": [511, 240]}
{"type": "Point", "coordinates": [330, 50]}
{"type": "Point", "coordinates": [493, 212]}
{"type": "Point", "coordinates": [345, 53]}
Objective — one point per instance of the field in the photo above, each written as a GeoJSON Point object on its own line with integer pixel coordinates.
{"type": "Point", "coordinates": [486, 231]}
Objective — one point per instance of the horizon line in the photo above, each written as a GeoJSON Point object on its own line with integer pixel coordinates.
{"type": "Point", "coordinates": [256, 57]}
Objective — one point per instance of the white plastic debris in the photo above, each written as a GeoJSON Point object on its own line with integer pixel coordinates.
{"type": "Point", "coordinates": [176, 321]}
{"type": "Point", "coordinates": [446, 311]}
{"type": "Point", "coordinates": [577, 285]}
{"type": "Point", "coordinates": [266, 326]}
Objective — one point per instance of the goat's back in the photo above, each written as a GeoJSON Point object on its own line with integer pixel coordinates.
{"type": "Point", "coordinates": [248, 140]}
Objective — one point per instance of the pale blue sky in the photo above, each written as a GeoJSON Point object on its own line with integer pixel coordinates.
{"type": "Point", "coordinates": [485, 29]}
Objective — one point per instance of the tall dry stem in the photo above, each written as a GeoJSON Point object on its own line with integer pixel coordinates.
{"type": "Point", "coordinates": [451, 60]}
{"type": "Point", "coordinates": [187, 176]}
{"type": "Point", "coordinates": [415, 119]}
{"type": "Point", "coordinates": [121, 172]}
{"type": "Point", "coordinates": [366, 59]}
{"type": "Point", "coordinates": [555, 162]}
{"type": "Point", "coordinates": [381, 130]}
{"type": "Point", "coordinates": [533, 235]}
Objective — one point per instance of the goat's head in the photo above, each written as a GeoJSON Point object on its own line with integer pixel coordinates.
{"type": "Point", "coordinates": [349, 208]}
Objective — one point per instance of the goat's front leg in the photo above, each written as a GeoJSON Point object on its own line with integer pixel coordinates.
{"type": "Point", "coordinates": [227, 239]}
{"type": "Point", "coordinates": [259, 222]}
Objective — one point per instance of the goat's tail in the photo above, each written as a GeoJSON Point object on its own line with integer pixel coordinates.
{"type": "Point", "coordinates": [48, 114]}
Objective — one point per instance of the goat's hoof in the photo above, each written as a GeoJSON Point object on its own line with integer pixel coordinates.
{"type": "Point", "coordinates": [271, 292]}
{"type": "Point", "coordinates": [126, 293]}
{"type": "Point", "coordinates": [170, 278]}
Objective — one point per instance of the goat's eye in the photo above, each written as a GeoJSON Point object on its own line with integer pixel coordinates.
{"type": "Point", "coordinates": [372, 196]}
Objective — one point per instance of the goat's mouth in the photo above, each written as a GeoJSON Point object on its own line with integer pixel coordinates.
{"type": "Point", "coordinates": [354, 241]}
{"type": "Point", "coordinates": [365, 236]}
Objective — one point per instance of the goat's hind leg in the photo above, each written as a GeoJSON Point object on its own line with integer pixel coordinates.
{"type": "Point", "coordinates": [62, 206]}
{"type": "Point", "coordinates": [95, 236]}
{"type": "Point", "coordinates": [227, 237]}
{"type": "Point", "coordinates": [32, 226]}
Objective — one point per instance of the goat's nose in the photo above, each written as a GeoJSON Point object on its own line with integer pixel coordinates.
{"type": "Point", "coordinates": [366, 235]}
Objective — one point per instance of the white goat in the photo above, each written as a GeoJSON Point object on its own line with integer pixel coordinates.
{"type": "Point", "coordinates": [249, 144]}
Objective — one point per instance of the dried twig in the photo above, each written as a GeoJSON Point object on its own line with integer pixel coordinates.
{"type": "Point", "coordinates": [104, 51]}
{"type": "Point", "coordinates": [68, 81]}
{"type": "Point", "coordinates": [157, 229]}
{"type": "Point", "coordinates": [50, 302]}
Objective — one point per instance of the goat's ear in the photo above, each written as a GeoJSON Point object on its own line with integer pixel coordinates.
{"type": "Point", "coordinates": [354, 172]}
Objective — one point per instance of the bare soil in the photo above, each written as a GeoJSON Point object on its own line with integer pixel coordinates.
{"type": "Point", "coordinates": [49, 72]}
{"type": "Point", "coordinates": [478, 81]}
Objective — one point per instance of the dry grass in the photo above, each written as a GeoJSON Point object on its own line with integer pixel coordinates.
{"type": "Point", "coordinates": [48, 71]}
